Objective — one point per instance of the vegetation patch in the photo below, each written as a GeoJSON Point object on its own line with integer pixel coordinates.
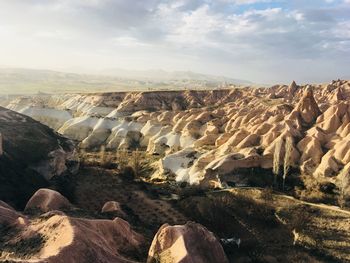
{"type": "Point", "coordinates": [11, 241]}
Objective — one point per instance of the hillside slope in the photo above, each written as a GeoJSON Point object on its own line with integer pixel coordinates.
{"type": "Point", "coordinates": [32, 154]}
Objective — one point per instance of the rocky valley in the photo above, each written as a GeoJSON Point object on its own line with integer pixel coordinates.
{"type": "Point", "coordinates": [239, 174]}
{"type": "Point", "coordinates": [205, 137]}
{"type": "Point", "coordinates": [173, 131]}
{"type": "Point", "coordinates": [251, 166]}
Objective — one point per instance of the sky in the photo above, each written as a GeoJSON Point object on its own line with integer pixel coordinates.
{"type": "Point", "coordinates": [264, 41]}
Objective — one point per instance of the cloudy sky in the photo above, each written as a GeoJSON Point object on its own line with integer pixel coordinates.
{"type": "Point", "coordinates": [265, 41]}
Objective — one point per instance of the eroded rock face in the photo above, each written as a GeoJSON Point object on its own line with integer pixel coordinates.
{"type": "Point", "coordinates": [32, 154]}
{"type": "Point", "coordinates": [186, 244]}
{"type": "Point", "coordinates": [245, 124]}
{"type": "Point", "coordinates": [60, 238]}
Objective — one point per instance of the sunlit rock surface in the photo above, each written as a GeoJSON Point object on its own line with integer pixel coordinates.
{"type": "Point", "coordinates": [186, 244]}
{"type": "Point", "coordinates": [228, 129]}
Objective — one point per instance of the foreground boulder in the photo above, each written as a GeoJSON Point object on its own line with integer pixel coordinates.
{"type": "Point", "coordinates": [187, 243]}
{"type": "Point", "coordinates": [113, 207]}
{"type": "Point", "coordinates": [58, 238]}
{"type": "Point", "coordinates": [47, 200]}
{"type": "Point", "coordinates": [30, 155]}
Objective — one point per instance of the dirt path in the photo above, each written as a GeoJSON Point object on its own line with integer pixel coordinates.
{"type": "Point", "coordinates": [323, 206]}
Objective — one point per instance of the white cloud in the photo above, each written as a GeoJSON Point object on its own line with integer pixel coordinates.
{"type": "Point", "coordinates": [236, 36]}
{"type": "Point", "coordinates": [244, 2]}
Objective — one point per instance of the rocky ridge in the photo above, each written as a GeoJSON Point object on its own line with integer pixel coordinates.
{"type": "Point", "coordinates": [208, 135]}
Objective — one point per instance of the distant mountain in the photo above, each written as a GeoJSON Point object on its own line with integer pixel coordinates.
{"type": "Point", "coordinates": [32, 81]}
{"type": "Point", "coordinates": [162, 75]}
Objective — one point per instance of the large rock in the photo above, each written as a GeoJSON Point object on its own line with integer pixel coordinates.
{"type": "Point", "coordinates": [60, 239]}
{"type": "Point", "coordinates": [307, 108]}
{"type": "Point", "coordinates": [47, 200]}
{"type": "Point", "coordinates": [113, 207]}
{"type": "Point", "coordinates": [32, 153]}
{"type": "Point", "coordinates": [187, 243]}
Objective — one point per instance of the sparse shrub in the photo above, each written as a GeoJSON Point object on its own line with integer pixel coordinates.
{"type": "Point", "coordinates": [136, 162]}
{"type": "Point", "coordinates": [300, 218]}
{"type": "Point", "coordinates": [311, 191]}
{"type": "Point", "coordinates": [128, 173]}
{"type": "Point", "coordinates": [267, 195]}
{"type": "Point", "coordinates": [122, 158]}
{"type": "Point", "coordinates": [82, 158]}
{"type": "Point", "coordinates": [106, 159]}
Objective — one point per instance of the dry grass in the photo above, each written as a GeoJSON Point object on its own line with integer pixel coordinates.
{"type": "Point", "coordinates": [11, 242]}
{"type": "Point", "coordinates": [265, 222]}
{"type": "Point", "coordinates": [311, 191]}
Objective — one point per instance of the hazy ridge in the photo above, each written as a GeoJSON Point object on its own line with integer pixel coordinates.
{"type": "Point", "coordinates": [31, 81]}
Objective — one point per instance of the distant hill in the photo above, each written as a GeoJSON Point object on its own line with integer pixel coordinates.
{"type": "Point", "coordinates": [162, 75]}
{"type": "Point", "coordinates": [31, 81]}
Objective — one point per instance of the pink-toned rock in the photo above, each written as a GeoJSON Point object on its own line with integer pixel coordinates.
{"type": "Point", "coordinates": [307, 108]}
{"type": "Point", "coordinates": [10, 216]}
{"type": "Point", "coordinates": [113, 207]}
{"type": "Point", "coordinates": [47, 200]}
{"type": "Point", "coordinates": [189, 243]}
{"type": "Point", "coordinates": [75, 240]}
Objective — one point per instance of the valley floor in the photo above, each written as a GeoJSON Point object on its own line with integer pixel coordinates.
{"type": "Point", "coordinates": [272, 227]}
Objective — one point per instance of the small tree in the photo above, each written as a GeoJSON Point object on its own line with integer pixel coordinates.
{"type": "Point", "coordinates": [277, 160]}
{"type": "Point", "coordinates": [343, 176]}
{"type": "Point", "coordinates": [287, 158]}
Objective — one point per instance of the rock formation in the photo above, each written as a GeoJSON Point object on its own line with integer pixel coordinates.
{"type": "Point", "coordinates": [60, 238]}
{"type": "Point", "coordinates": [227, 129]}
{"type": "Point", "coordinates": [113, 207]}
{"type": "Point", "coordinates": [186, 244]}
{"type": "Point", "coordinates": [47, 200]}
{"type": "Point", "coordinates": [32, 154]}
{"type": "Point", "coordinates": [57, 237]}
